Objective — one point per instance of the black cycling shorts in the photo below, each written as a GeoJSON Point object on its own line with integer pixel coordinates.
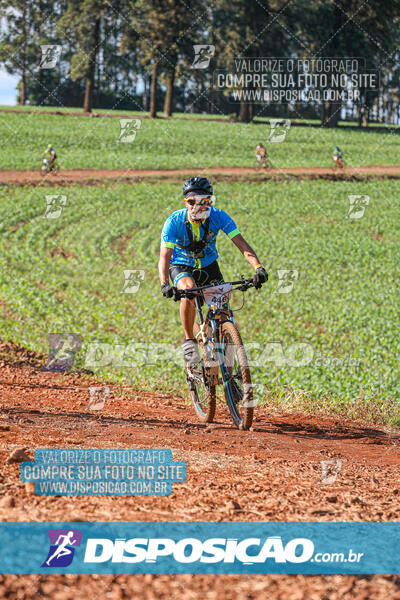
{"type": "Point", "coordinates": [204, 276]}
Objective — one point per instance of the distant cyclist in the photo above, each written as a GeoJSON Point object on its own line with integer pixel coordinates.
{"type": "Point", "coordinates": [52, 156]}
{"type": "Point", "coordinates": [261, 154]}
{"type": "Point", "coordinates": [188, 253]}
{"type": "Point", "coordinates": [338, 157]}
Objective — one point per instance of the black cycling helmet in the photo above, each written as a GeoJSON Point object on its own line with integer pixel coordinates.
{"type": "Point", "coordinates": [197, 184]}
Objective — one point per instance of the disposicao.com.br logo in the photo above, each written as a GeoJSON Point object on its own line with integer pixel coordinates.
{"type": "Point", "coordinates": [248, 551]}
{"type": "Point", "coordinates": [190, 550]}
{"type": "Point", "coordinates": [165, 553]}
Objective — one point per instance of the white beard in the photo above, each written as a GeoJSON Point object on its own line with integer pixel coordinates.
{"type": "Point", "coordinates": [200, 215]}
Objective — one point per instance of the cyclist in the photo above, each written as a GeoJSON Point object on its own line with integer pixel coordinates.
{"type": "Point", "coordinates": [52, 156]}
{"type": "Point", "coordinates": [261, 154]}
{"type": "Point", "coordinates": [188, 253]}
{"type": "Point", "coordinates": [337, 156]}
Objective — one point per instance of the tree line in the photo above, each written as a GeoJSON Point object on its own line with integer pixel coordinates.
{"type": "Point", "coordinates": [139, 54]}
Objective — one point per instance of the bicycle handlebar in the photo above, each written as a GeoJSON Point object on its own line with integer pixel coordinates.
{"type": "Point", "coordinates": [243, 285]}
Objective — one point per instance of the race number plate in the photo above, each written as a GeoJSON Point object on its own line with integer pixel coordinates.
{"type": "Point", "coordinates": [218, 295]}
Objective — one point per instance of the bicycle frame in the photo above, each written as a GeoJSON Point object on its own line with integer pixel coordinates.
{"type": "Point", "coordinates": [214, 318]}
{"type": "Point", "coordinates": [216, 351]}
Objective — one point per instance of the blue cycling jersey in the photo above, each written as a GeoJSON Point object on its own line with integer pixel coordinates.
{"type": "Point", "coordinates": [174, 235]}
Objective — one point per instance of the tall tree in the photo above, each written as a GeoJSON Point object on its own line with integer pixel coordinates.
{"type": "Point", "coordinates": [347, 28]}
{"type": "Point", "coordinates": [141, 31]}
{"type": "Point", "coordinates": [248, 29]}
{"type": "Point", "coordinates": [161, 30]}
{"type": "Point", "coordinates": [189, 22]}
{"type": "Point", "coordinates": [19, 50]}
{"type": "Point", "coordinates": [82, 21]}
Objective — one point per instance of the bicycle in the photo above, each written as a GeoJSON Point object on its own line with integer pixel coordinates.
{"type": "Point", "coordinates": [48, 168]}
{"type": "Point", "coordinates": [222, 349]}
{"type": "Point", "coordinates": [338, 163]}
{"type": "Point", "coordinates": [266, 164]}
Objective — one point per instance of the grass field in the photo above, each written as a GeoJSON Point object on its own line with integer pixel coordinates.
{"type": "Point", "coordinates": [65, 274]}
{"type": "Point", "coordinates": [115, 112]}
{"type": "Point", "coordinates": [260, 116]}
{"type": "Point", "coordinates": [170, 144]}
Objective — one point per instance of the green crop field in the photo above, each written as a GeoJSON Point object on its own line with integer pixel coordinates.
{"type": "Point", "coordinates": [335, 334]}
{"type": "Point", "coordinates": [83, 142]}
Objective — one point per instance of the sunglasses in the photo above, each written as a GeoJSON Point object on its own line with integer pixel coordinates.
{"type": "Point", "coordinates": [200, 200]}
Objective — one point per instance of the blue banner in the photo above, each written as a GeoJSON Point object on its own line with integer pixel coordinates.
{"type": "Point", "coordinates": [230, 548]}
{"type": "Point", "coordinates": [103, 472]}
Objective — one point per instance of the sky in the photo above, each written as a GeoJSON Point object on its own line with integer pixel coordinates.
{"type": "Point", "coordinates": [8, 93]}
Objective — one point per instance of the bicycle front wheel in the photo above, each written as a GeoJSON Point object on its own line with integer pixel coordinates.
{"type": "Point", "coordinates": [236, 376]}
{"type": "Point", "coordinates": [201, 380]}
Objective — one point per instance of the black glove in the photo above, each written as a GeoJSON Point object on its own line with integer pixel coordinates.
{"type": "Point", "coordinates": [260, 277]}
{"type": "Point", "coordinates": [167, 290]}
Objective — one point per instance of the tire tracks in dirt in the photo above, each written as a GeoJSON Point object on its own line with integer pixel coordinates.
{"type": "Point", "coordinates": [271, 473]}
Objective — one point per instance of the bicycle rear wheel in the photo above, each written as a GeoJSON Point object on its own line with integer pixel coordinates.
{"type": "Point", "coordinates": [236, 376]}
{"type": "Point", "coordinates": [201, 380]}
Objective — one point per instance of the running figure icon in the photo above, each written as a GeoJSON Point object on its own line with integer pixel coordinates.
{"type": "Point", "coordinates": [63, 543]}
{"type": "Point", "coordinates": [62, 549]}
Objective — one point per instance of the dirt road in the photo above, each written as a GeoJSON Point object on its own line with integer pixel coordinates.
{"type": "Point", "coordinates": [272, 473]}
{"type": "Point", "coordinates": [94, 176]}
